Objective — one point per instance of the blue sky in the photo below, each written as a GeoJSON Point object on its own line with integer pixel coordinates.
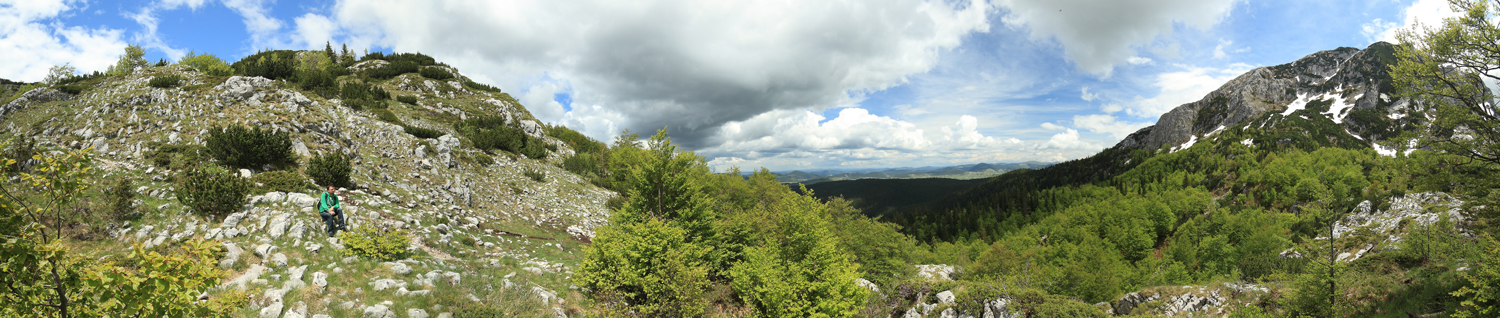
{"type": "Point", "coordinates": [794, 85]}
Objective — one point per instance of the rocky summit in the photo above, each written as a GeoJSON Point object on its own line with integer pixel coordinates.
{"type": "Point", "coordinates": [1348, 87]}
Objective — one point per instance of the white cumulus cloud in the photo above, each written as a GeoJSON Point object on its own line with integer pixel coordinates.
{"type": "Point", "coordinates": [689, 65]}
{"type": "Point", "coordinates": [1108, 124]}
{"type": "Point", "coordinates": [1098, 34]}
{"type": "Point", "coordinates": [32, 40]}
{"type": "Point", "coordinates": [1424, 12]}
{"type": "Point", "coordinates": [1181, 87]}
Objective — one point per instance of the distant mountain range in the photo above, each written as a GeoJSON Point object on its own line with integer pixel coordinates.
{"type": "Point", "coordinates": [961, 172]}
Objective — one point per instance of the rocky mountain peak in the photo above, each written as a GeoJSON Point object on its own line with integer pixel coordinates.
{"type": "Point", "coordinates": [1353, 84]}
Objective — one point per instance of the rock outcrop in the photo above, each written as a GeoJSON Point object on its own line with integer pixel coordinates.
{"type": "Point", "coordinates": [1350, 79]}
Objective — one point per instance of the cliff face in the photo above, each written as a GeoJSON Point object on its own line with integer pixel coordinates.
{"type": "Point", "coordinates": [1349, 81]}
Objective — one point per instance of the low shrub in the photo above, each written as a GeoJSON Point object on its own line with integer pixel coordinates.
{"type": "Point", "coordinates": [363, 104]}
{"type": "Point", "coordinates": [435, 73]}
{"type": "Point", "coordinates": [121, 199]}
{"type": "Point", "coordinates": [211, 190]}
{"type": "Point", "coordinates": [392, 70]}
{"type": "Point", "coordinates": [168, 81]}
{"type": "Point", "coordinates": [21, 149]}
{"type": "Point", "coordinates": [579, 142]}
{"type": "Point", "coordinates": [283, 181]}
{"type": "Point", "coordinates": [407, 99]}
{"type": "Point", "coordinates": [206, 63]}
{"type": "Point", "coordinates": [74, 89]}
{"type": "Point", "coordinates": [423, 133]}
{"type": "Point", "coordinates": [242, 147]}
{"type": "Point", "coordinates": [583, 164]}
{"type": "Point", "coordinates": [481, 87]}
{"type": "Point", "coordinates": [332, 169]}
{"type": "Point", "coordinates": [418, 59]}
{"type": "Point", "coordinates": [535, 175]}
{"type": "Point", "coordinates": [385, 245]}
{"type": "Point", "coordinates": [386, 115]}
{"type": "Point", "coordinates": [314, 80]}
{"type": "Point", "coordinates": [175, 156]}
{"type": "Point", "coordinates": [280, 64]}
{"type": "Point", "coordinates": [356, 90]}
{"type": "Point", "coordinates": [491, 133]}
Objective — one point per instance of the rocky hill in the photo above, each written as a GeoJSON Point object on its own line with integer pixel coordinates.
{"type": "Point", "coordinates": [514, 222]}
{"type": "Point", "coordinates": [1347, 87]}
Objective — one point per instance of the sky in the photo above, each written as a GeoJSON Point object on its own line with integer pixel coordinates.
{"type": "Point", "coordinates": [787, 85]}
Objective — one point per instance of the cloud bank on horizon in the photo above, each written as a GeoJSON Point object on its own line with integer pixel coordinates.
{"type": "Point", "coordinates": [784, 85]}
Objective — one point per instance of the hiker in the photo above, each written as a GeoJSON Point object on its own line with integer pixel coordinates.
{"type": "Point", "coordinates": [331, 211]}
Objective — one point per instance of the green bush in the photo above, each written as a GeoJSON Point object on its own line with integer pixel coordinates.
{"type": "Point", "coordinates": [1481, 298]}
{"type": "Point", "coordinates": [175, 156]}
{"type": "Point", "coordinates": [283, 181]}
{"type": "Point", "coordinates": [356, 90]}
{"type": "Point", "coordinates": [391, 70]}
{"type": "Point", "coordinates": [423, 133]}
{"type": "Point", "coordinates": [211, 190]}
{"type": "Point", "coordinates": [407, 99]}
{"type": "Point", "coordinates": [418, 59]}
{"type": "Point", "coordinates": [314, 80]}
{"type": "Point", "coordinates": [481, 87]}
{"type": "Point", "coordinates": [798, 268]}
{"type": "Point", "coordinates": [435, 73]}
{"type": "Point", "coordinates": [121, 199]}
{"type": "Point", "coordinates": [206, 63]}
{"type": "Point", "coordinates": [376, 244]}
{"type": "Point", "coordinates": [583, 164]}
{"type": "Point", "coordinates": [242, 147]}
{"type": "Point", "coordinates": [363, 104]}
{"type": "Point", "coordinates": [573, 138]}
{"type": "Point", "coordinates": [491, 133]}
{"type": "Point", "coordinates": [280, 64]}
{"type": "Point", "coordinates": [167, 81]}
{"type": "Point", "coordinates": [649, 266]}
{"type": "Point", "coordinates": [330, 169]}
{"type": "Point", "coordinates": [535, 175]}
{"type": "Point", "coordinates": [21, 149]}
{"type": "Point", "coordinates": [72, 89]}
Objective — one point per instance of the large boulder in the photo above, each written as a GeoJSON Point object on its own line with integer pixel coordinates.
{"type": "Point", "coordinates": [243, 88]}
{"type": "Point", "coordinates": [302, 200]}
{"type": "Point", "coordinates": [379, 311]}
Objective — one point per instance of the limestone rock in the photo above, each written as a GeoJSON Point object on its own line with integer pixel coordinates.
{"type": "Point", "coordinates": [945, 297]}
{"type": "Point", "coordinates": [379, 311]}
{"type": "Point", "coordinates": [936, 272]}
{"type": "Point", "coordinates": [533, 129]}
{"type": "Point", "coordinates": [416, 313]}
{"type": "Point", "coordinates": [231, 255]}
{"type": "Point", "coordinates": [245, 278]}
{"type": "Point", "coordinates": [302, 200]}
{"type": "Point", "coordinates": [400, 268]}
{"type": "Point", "coordinates": [320, 279]}
{"type": "Point", "coordinates": [279, 260]}
{"type": "Point", "coordinates": [242, 88]}
{"type": "Point", "coordinates": [275, 196]}
{"type": "Point", "coordinates": [298, 310]}
{"type": "Point", "coordinates": [265, 250]}
{"type": "Point", "coordinates": [861, 282]}
{"type": "Point", "coordinates": [272, 311]}
{"type": "Point", "coordinates": [278, 225]}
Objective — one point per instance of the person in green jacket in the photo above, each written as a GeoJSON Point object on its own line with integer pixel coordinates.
{"type": "Point", "coordinates": [331, 211]}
